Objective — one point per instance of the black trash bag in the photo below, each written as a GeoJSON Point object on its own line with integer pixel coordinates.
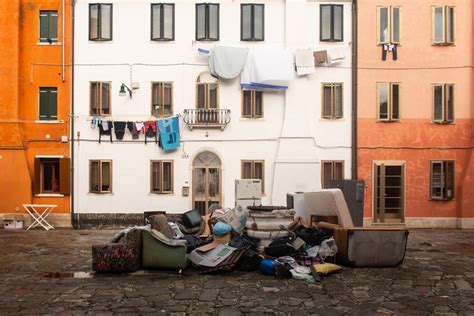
{"type": "Point", "coordinates": [250, 261]}
{"type": "Point", "coordinates": [313, 236]}
{"type": "Point", "coordinates": [280, 247]}
{"type": "Point", "coordinates": [244, 241]}
{"type": "Point", "coordinates": [196, 242]}
{"type": "Point", "coordinates": [282, 270]}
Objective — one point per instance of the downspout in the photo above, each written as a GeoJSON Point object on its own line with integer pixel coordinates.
{"type": "Point", "coordinates": [64, 43]}
{"type": "Point", "coordinates": [354, 90]}
{"type": "Point", "coordinates": [72, 117]}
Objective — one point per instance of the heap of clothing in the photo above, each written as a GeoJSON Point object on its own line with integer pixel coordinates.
{"type": "Point", "coordinates": [165, 132]}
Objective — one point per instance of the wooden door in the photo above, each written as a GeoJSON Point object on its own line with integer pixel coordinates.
{"type": "Point", "coordinates": [389, 193]}
{"type": "Point", "coordinates": [206, 181]}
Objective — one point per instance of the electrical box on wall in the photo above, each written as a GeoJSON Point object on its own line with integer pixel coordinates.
{"type": "Point", "coordinates": [185, 191]}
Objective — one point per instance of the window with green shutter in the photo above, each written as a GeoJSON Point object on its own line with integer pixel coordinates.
{"type": "Point", "coordinates": [48, 104]}
{"type": "Point", "coordinates": [48, 26]}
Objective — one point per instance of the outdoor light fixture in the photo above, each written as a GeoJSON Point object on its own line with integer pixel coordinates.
{"type": "Point", "coordinates": [124, 89]}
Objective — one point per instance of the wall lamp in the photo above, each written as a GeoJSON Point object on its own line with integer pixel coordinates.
{"type": "Point", "coordinates": [124, 89]}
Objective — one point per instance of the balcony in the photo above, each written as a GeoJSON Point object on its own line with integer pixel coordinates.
{"type": "Point", "coordinates": [206, 118]}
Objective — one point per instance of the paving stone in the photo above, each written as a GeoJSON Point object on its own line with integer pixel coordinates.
{"type": "Point", "coordinates": [208, 295]}
{"type": "Point", "coordinates": [462, 285]}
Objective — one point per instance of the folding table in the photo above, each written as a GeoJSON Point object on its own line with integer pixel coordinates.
{"type": "Point", "coordinates": [39, 213]}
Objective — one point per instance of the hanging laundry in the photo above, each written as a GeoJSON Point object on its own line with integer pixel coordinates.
{"type": "Point", "coordinates": [119, 128]}
{"type": "Point", "coordinates": [132, 128]}
{"type": "Point", "coordinates": [169, 133]}
{"type": "Point", "coordinates": [150, 130]}
{"type": "Point", "coordinates": [95, 121]}
{"type": "Point", "coordinates": [227, 62]}
{"type": "Point", "coordinates": [320, 57]}
{"type": "Point", "coordinates": [105, 128]}
{"type": "Point", "coordinates": [336, 54]}
{"type": "Point", "coordinates": [267, 69]}
{"type": "Point", "coordinates": [140, 126]}
{"type": "Point", "coordinates": [304, 61]}
{"type": "Point", "coordinates": [389, 48]}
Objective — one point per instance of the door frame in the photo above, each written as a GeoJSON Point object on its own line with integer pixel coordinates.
{"type": "Point", "coordinates": [191, 175]}
{"type": "Point", "coordinates": [401, 163]}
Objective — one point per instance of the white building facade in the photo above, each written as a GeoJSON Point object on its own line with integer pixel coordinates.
{"type": "Point", "coordinates": [284, 137]}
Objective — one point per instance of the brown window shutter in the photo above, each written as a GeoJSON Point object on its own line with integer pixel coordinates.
{"type": "Point", "coordinates": [37, 177]}
{"type": "Point", "coordinates": [64, 172]}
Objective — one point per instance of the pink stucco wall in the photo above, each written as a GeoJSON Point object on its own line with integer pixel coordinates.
{"type": "Point", "coordinates": [415, 139]}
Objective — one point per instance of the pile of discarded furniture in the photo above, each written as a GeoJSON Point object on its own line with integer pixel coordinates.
{"type": "Point", "coordinates": [279, 241]}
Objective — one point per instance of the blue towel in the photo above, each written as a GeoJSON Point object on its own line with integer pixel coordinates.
{"type": "Point", "coordinates": [169, 133]}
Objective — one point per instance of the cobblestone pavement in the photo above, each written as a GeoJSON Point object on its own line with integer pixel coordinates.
{"type": "Point", "coordinates": [436, 278]}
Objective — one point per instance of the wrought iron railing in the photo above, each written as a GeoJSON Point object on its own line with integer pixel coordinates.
{"type": "Point", "coordinates": [206, 118]}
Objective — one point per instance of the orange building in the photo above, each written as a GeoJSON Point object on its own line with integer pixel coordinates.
{"type": "Point", "coordinates": [35, 95]}
{"type": "Point", "coordinates": [415, 112]}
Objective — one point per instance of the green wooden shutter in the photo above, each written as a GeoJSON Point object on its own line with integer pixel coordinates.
{"type": "Point", "coordinates": [43, 104]}
{"type": "Point", "coordinates": [53, 104]}
{"type": "Point", "coordinates": [53, 26]}
{"type": "Point", "coordinates": [44, 26]}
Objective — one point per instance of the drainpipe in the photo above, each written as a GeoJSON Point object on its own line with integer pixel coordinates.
{"type": "Point", "coordinates": [63, 45]}
{"type": "Point", "coordinates": [354, 89]}
{"type": "Point", "coordinates": [73, 217]}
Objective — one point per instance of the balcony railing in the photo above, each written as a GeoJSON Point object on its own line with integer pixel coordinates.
{"type": "Point", "coordinates": [206, 118]}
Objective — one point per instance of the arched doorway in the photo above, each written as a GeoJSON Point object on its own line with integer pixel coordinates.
{"type": "Point", "coordinates": [206, 181]}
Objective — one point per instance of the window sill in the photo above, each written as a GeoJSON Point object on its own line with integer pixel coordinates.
{"type": "Point", "coordinates": [171, 41]}
{"type": "Point", "coordinates": [49, 195]}
{"type": "Point", "coordinates": [442, 200]}
{"type": "Point", "coordinates": [443, 123]}
{"type": "Point", "coordinates": [101, 41]}
{"type": "Point", "coordinates": [49, 122]}
{"type": "Point", "coordinates": [393, 121]}
{"type": "Point", "coordinates": [159, 194]}
{"type": "Point", "coordinates": [49, 44]}
{"type": "Point", "coordinates": [100, 194]}
{"type": "Point", "coordinates": [443, 44]}
{"type": "Point", "coordinates": [252, 119]}
{"type": "Point", "coordinates": [327, 119]}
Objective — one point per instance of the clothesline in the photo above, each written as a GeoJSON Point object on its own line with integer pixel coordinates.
{"type": "Point", "coordinates": [165, 131]}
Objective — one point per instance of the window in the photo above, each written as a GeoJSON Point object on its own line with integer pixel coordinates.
{"type": "Point", "coordinates": [207, 22]}
{"type": "Point", "coordinates": [100, 22]}
{"type": "Point", "coordinates": [207, 92]}
{"type": "Point", "coordinates": [331, 170]}
{"type": "Point", "coordinates": [48, 104]}
{"type": "Point", "coordinates": [252, 104]}
{"type": "Point", "coordinates": [162, 99]}
{"type": "Point", "coordinates": [389, 25]}
{"type": "Point", "coordinates": [442, 180]}
{"type": "Point", "coordinates": [161, 177]}
{"type": "Point", "coordinates": [48, 26]}
{"type": "Point", "coordinates": [443, 103]}
{"type": "Point", "coordinates": [252, 20]}
{"type": "Point", "coordinates": [331, 100]}
{"type": "Point", "coordinates": [162, 22]}
{"type": "Point", "coordinates": [100, 98]}
{"type": "Point", "coordinates": [443, 25]}
{"type": "Point", "coordinates": [331, 23]}
{"type": "Point", "coordinates": [51, 176]}
{"type": "Point", "coordinates": [388, 101]}
{"type": "Point", "coordinates": [100, 176]}
{"type": "Point", "coordinates": [254, 169]}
